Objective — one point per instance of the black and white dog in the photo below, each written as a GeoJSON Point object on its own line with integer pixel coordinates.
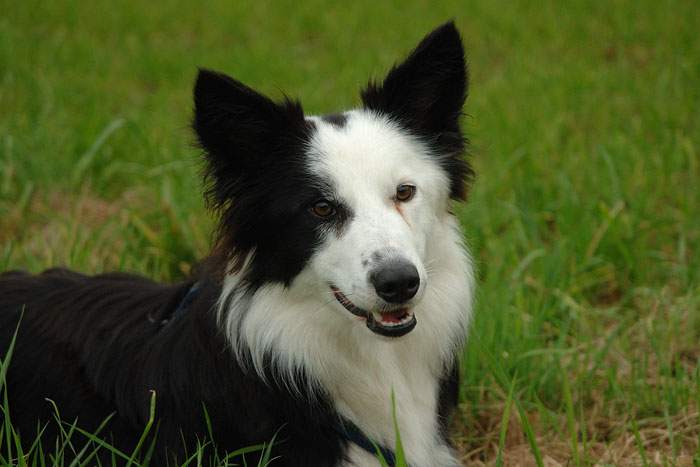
{"type": "Point", "coordinates": [339, 277]}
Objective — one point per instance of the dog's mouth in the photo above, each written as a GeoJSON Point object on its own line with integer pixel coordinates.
{"type": "Point", "coordinates": [391, 323]}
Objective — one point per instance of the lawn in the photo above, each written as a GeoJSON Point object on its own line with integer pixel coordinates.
{"type": "Point", "coordinates": [584, 219]}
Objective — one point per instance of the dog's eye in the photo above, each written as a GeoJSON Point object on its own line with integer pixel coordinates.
{"type": "Point", "coordinates": [323, 209]}
{"type": "Point", "coordinates": [405, 192]}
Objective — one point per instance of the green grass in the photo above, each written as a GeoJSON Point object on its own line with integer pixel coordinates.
{"type": "Point", "coordinates": [584, 221]}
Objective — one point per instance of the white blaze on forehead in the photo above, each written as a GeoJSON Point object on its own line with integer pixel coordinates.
{"type": "Point", "coordinates": [369, 155]}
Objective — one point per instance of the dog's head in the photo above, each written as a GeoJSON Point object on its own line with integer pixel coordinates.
{"type": "Point", "coordinates": [342, 205]}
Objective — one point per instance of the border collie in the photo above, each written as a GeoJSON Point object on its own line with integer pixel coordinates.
{"type": "Point", "coordinates": [339, 280]}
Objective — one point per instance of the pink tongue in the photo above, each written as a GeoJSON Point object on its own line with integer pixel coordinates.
{"type": "Point", "coordinates": [394, 316]}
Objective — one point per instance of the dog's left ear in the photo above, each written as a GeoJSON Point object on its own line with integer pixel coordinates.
{"type": "Point", "coordinates": [427, 91]}
{"type": "Point", "coordinates": [243, 132]}
{"type": "Point", "coordinates": [425, 95]}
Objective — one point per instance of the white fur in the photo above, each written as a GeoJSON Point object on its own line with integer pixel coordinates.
{"type": "Point", "coordinates": [306, 329]}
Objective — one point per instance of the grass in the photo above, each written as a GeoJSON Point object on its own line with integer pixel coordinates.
{"type": "Point", "coordinates": [584, 220]}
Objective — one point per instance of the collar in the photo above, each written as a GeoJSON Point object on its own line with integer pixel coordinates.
{"type": "Point", "coordinates": [186, 301]}
{"type": "Point", "coordinates": [182, 306]}
{"type": "Point", "coordinates": [353, 434]}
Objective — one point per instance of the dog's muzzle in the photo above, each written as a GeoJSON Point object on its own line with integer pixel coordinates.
{"type": "Point", "coordinates": [391, 323]}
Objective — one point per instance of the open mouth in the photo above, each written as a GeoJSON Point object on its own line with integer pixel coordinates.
{"type": "Point", "coordinates": [391, 323]}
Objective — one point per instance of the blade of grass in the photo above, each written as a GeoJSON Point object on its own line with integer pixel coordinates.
{"type": "Point", "coordinates": [207, 420]}
{"type": "Point", "coordinates": [5, 362]}
{"type": "Point", "coordinates": [21, 460]}
{"type": "Point", "coordinates": [37, 441]}
{"type": "Point", "coordinates": [639, 443]}
{"type": "Point", "coordinates": [266, 457]}
{"type": "Point", "coordinates": [151, 448]}
{"type": "Point", "coordinates": [398, 450]}
{"type": "Point", "coordinates": [65, 437]}
{"type": "Point", "coordinates": [242, 451]}
{"type": "Point", "coordinates": [4, 366]}
{"type": "Point", "coordinates": [505, 420]}
{"type": "Point", "coordinates": [571, 417]}
{"type": "Point", "coordinates": [188, 460]}
{"type": "Point", "coordinates": [103, 443]}
{"type": "Point", "coordinates": [146, 430]}
{"type": "Point", "coordinates": [78, 460]}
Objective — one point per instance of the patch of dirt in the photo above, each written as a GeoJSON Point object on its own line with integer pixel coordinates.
{"type": "Point", "coordinates": [608, 441]}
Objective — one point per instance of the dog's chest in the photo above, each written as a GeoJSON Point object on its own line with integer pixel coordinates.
{"type": "Point", "coordinates": [365, 398]}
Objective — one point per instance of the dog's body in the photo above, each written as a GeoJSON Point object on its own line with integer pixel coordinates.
{"type": "Point", "coordinates": [339, 277]}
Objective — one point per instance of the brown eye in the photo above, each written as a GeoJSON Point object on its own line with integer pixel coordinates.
{"type": "Point", "coordinates": [323, 209]}
{"type": "Point", "coordinates": [405, 192]}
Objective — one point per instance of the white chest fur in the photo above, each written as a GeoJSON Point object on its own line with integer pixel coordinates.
{"type": "Point", "coordinates": [365, 398]}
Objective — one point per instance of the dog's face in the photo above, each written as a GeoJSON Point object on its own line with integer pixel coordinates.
{"type": "Point", "coordinates": [383, 193]}
{"type": "Point", "coordinates": [343, 205]}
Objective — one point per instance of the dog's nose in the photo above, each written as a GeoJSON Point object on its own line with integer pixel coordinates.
{"type": "Point", "coordinates": [396, 282]}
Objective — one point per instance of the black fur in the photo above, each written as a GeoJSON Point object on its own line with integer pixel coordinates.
{"type": "Point", "coordinates": [255, 152]}
{"type": "Point", "coordinates": [99, 345]}
{"type": "Point", "coordinates": [425, 94]}
{"type": "Point", "coordinates": [95, 346]}
{"type": "Point", "coordinates": [447, 399]}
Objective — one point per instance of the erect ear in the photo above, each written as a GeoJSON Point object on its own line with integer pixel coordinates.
{"type": "Point", "coordinates": [241, 130]}
{"type": "Point", "coordinates": [425, 94]}
{"type": "Point", "coordinates": [427, 91]}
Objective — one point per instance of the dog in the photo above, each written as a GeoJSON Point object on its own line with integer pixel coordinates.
{"type": "Point", "coordinates": [336, 299]}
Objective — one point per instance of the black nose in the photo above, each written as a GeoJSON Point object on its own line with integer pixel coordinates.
{"type": "Point", "coordinates": [396, 281]}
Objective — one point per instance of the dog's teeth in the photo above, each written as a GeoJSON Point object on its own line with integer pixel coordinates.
{"type": "Point", "coordinates": [392, 323]}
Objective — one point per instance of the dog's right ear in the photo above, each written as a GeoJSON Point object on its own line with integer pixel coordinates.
{"type": "Point", "coordinates": [426, 91]}
{"type": "Point", "coordinates": [241, 130]}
